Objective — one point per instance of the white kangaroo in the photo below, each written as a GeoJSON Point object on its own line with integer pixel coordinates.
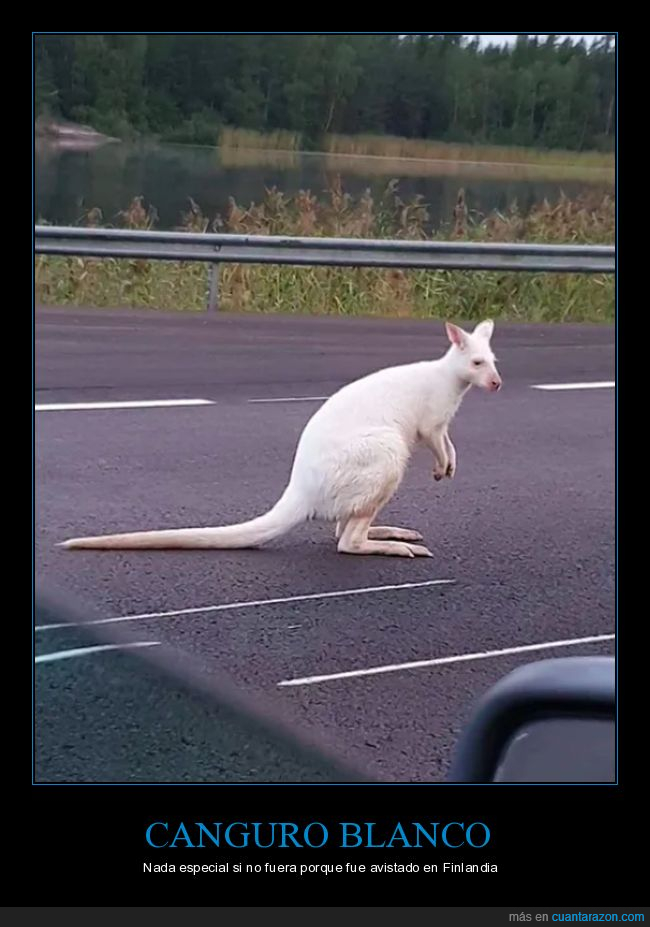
{"type": "Point", "coordinates": [352, 456]}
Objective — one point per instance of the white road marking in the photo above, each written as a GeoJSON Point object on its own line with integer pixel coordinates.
{"type": "Point", "coordinates": [231, 606]}
{"type": "Point", "coordinates": [134, 404]}
{"type": "Point", "coordinates": [442, 661]}
{"type": "Point", "coordinates": [292, 399]}
{"type": "Point", "coordinates": [82, 651]}
{"type": "Point", "coordinates": [598, 384]}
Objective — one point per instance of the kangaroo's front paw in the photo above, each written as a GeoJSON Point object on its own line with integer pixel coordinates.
{"type": "Point", "coordinates": [451, 471]}
{"type": "Point", "coordinates": [439, 473]}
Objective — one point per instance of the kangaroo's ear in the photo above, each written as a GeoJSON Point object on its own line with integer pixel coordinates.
{"type": "Point", "coordinates": [484, 329]}
{"type": "Point", "coordinates": [456, 335]}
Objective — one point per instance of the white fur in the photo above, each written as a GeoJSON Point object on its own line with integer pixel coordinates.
{"type": "Point", "coordinates": [353, 453]}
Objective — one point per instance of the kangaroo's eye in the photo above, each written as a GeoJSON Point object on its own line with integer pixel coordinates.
{"type": "Point", "coordinates": [477, 363]}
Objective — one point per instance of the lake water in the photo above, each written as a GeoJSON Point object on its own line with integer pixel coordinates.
{"type": "Point", "coordinates": [70, 182]}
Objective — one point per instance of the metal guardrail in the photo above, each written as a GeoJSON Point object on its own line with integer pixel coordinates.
{"type": "Point", "coordinates": [336, 252]}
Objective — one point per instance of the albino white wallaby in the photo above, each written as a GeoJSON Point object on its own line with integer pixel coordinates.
{"type": "Point", "coordinates": [352, 456]}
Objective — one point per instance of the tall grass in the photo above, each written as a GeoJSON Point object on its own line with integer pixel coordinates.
{"type": "Point", "coordinates": [351, 291]}
{"type": "Point", "coordinates": [372, 166]}
{"type": "Point", "coordinates": [388, 146]}
{"type": "Point", "coordinates": [278, 140]}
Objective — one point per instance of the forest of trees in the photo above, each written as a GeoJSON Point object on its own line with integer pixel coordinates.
{"type": "Point", "coordinates": [544, 93]}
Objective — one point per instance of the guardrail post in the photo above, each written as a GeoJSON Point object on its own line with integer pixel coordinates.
{"type": "Point", "coordinates": [213, 288]}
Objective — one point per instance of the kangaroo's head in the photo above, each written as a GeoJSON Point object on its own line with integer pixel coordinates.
{"type": "Point", "coordinates": [472, 357]}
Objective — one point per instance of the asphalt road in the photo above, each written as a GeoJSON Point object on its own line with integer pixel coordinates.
{"type": "Point", "coordinates": [523, 537]}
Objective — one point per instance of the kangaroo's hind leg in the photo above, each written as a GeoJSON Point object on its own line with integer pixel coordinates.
{"type": "Point", "coordinates": [355, 540]}
{"type": "Point", "coordinates": [384, 533]}
{"type": "Point", "coordinates": [388, 533]}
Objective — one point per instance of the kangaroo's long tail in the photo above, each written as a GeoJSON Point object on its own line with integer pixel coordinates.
{"type": "Point", "coordinates": [288, 512]}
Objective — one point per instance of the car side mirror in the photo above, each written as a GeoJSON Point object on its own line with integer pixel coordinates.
{"type": "Point", "coordinates": [550, 721]}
